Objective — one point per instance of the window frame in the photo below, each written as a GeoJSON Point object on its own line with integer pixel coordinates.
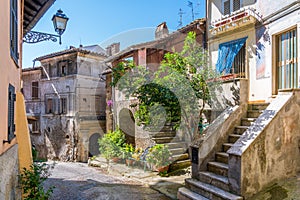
{"type": "Point", "coordinates": [49, 106]}
{"type": "Point", "coordinates": [35, 90]}
{"type": "Point", "coordinates": [14, 37]}
{"type": "Point", "coordinates": [63, 105]}
{"type": "Point", "coordinates": [231, 8]}
{"type": "Point", "coordinates": [11, 127]}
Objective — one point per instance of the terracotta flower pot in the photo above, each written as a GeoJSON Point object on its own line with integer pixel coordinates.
{"type": "Point", "coordinates": [129, 162]}
{"type": "Point", "coordinates": [161, 168]}
{"type": "Point", "coordinates": [115, 159]}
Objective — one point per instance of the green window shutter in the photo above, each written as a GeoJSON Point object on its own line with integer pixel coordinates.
{"type": "Point", "coordinates": [14, 30]}
{"type": "Point", "coordinates": [11, 112]}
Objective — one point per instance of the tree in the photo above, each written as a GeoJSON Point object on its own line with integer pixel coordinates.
{"type": "Point", "coordinates": [177, 91]}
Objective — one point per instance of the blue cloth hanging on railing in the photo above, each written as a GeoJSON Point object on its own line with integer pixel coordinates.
{"type": "Point", "coordinates": [227, 53]}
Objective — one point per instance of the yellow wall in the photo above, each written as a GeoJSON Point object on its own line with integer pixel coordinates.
{"type": "Point", "coordinates": [9, 70]}
{"type": "Point", "coordinates": [22, 133]}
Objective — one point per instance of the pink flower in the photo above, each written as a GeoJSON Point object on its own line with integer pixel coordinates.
{"type": "Point", "coordinates": [109, 102]}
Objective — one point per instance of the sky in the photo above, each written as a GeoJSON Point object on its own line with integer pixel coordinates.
{"type": "Point", "coordinates": [104, 22]}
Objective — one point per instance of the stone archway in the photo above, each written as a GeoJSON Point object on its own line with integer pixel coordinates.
{"type": "Point", "coordinates": [127, 125]}
{"type": "Point", "coordinates": [93, 145]}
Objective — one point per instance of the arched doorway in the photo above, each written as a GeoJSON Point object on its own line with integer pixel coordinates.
{"type": "Point", "coordinates": [93, 145]}
{"type": "Point", "coordinates": [127, 125]}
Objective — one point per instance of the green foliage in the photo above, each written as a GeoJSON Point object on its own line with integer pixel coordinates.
{"type": "Point", "coordinates": [32, 182]}
{"type": "Point", "coordinates": [128, 150]}
{"type": "Point", "coordinates": [159, 155]}
{"type": "Point", "coordinates": [119, 70]}
{"type": "Point", "coordinates": [177, 92]}
{"type": "Point", "coordinates": [111, 144]}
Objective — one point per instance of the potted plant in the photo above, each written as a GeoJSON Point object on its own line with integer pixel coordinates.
{"type": "Point", "coordinates": [110, 145]}
{"type": "Point", "coordinates": [159, 157]}
{"type": "Point", "coordinates": [128, 150]}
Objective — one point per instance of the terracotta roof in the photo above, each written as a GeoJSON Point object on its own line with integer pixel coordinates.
{"type": "Point", "coordinates": [153, 43]}
{"type": "Point", "coordinates": [33, 11]}
{"type": "Point", "coordinates": [93, 49]}
{"type": "Point", "coordinates": [31, 69]}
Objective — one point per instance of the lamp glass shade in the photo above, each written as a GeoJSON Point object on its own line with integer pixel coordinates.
{"type": "Point", "coordinates": [60, 22]}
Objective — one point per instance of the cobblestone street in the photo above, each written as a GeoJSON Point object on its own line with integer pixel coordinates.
{"type": "Point", "coordinates": [78, 181]}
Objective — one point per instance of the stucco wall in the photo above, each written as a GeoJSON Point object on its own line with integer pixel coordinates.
{"type": "Point", "coordinates": [269, 149]}
{"type": "Point", "coordinates": [261, 44]}
{"type": "Point", "coordinates": [275, 154]}
{"type": "Point", "coordinates": [9, 170]}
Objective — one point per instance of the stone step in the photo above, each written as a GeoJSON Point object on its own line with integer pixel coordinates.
{"type": "Point", "coordinates": [247, 121]}
{"type": "Point", "coordinates": [227, 146]}
{"type": "Point", "coordinates": [209, 191]}
{"type": "Point", "coordinates": [163, 140]}
{"type": "Point", "coordinates": [258, 106]}
{"type": "Point", "coordinates": [240, 129]}
{"type": "Point", "coordinates": [232, 138]}
{"type": "Point", "coordinates": [180, 164]}
{"type": "Point", "coordinates": [174, 145]}
{"type": "Point", "coordinates": [218, 168]}
{"type": "Point", "coordinates": [163, 134]}
{"type": "Point", "coordinates": [177, 151]}
{"type": "Point", "coordinates": [179, 157]}
{"type": "Point", "coordinates": [222, 157]}
{"type": "Point", "coordinates": [254, 113]}
{"type": "Point", "coordinates": [215, 180]}
{"type": "Point", "coordinates": [186, 194]}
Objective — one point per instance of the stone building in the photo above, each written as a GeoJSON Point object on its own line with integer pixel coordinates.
{"type": "Point", "coordinates": [17, 18]}
{"type": "Point", "coordinates": [254, 143]}
{"type": "Point", "coordinates": [149, 55]}
{"type": "Point", "coordinates": [65, 103]}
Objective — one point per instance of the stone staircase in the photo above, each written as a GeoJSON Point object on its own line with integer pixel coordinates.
{"type": "Point", "coordinates": [213, 183]}
{"type": "Point", "coordinates": [177, 146]}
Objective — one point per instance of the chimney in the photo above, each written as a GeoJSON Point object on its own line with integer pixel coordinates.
{"type": "Point", "coordinates": [161, 31]}
{"type": "Point", "coordinates": [113, 49]}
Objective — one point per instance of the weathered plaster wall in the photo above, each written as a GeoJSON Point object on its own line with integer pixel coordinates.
{"type": "Point", "coordinates": [269, 150]}
{"type": "Point", "coordinates": [89, 132]}
{"type": "Point", "coordinates": [9, 170]}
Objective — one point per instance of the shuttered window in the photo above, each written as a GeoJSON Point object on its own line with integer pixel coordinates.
{"type": "Point", "coordinates": [35, 90]}
{"type": "Point", "coordinates": [11, 112]}
{"type": "Point", "coordinates": [231, 6]}
{"type": "Point", "coordinates": [236, 5]}
{"type": "Point", "coordinates": [14, 30]}
{"type": "Point", "coordinates": [63, 105]}
{"type": "Point", "coordinates": [226, 7]}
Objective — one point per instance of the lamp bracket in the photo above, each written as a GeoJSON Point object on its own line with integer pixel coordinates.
{"type": "Point", "coordinates": [35, 37]}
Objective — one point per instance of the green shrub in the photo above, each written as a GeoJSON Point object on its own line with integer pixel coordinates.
{"type": "Point", "coordinates": [32, 182]}
{"type": "Point", "coordinates": [159, 155]}
{"type": "Point", "coordinates": [111, 144]}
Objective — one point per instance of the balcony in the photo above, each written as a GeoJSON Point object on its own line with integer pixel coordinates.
{"type": "Point", "coordinates": [237, 19]}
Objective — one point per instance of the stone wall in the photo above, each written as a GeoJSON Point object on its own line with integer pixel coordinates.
{"type": "Point", "coordinates": [9, 170]}
{"type": "Point", "coordinates": [270, 149]}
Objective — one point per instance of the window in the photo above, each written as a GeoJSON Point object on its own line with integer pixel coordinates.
{"type": "Point", "coordinates": [230, 6]}
{"type": "Point", "coordinates": [34, 125]}
{"type": "Point", "coordinates": [287, 62]}
{"type": "Point", "coordinates": [14, 30]}
{"type": "Point", "coordinates": [239, 63]}
{"type": "Point", "coordinates": [49, 106]}
{"type": "Point", "coordinates": [63, 105]}
{"type": "Point", "coordinates": [231, 57]}
{"type": "Point", "coordinates": [11, 112]}
{"type": "Point", "coordinates": [64, 70]}
{"type": "Point", "coordinates": [35, 90]}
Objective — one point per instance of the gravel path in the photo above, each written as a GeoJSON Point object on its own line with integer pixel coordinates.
{"type": "Point", "coordinates": [78, 181]}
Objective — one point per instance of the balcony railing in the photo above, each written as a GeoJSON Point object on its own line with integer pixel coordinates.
{"type": "Point", "coordinates": [235, 20]}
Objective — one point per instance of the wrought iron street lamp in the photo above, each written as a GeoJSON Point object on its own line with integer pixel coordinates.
{"type": "Point", "coordinates": [59, 22]}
